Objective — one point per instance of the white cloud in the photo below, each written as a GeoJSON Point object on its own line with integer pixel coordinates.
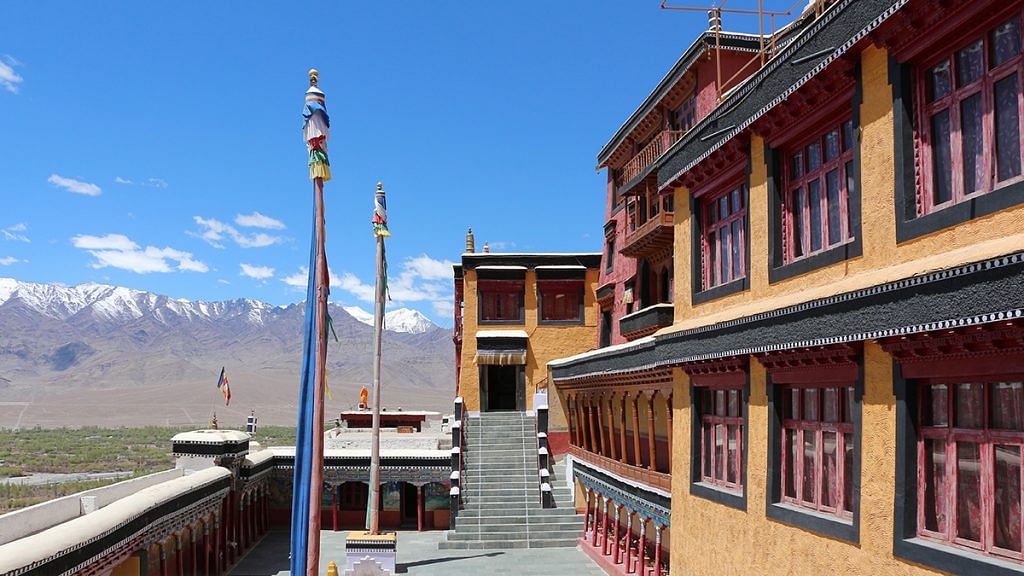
{"type": "Point", "coordinates": [8, 260]}
{"type": "Point", "coordinates": [257, 272]}
{"type": "Point", "coordinates": [222, 281]}
{"type": "Point", "coordinates": [150, 182]}
{"type": "Point", "coordinates": [119, 251]}
{"type": "Point", "coordinates": [76, 186]}
{"type": "Point", "coordinates": [214, 233]}
{"type": "Point", "coordinates": [257, 220]}
{"type": "Point", "coordinates": [429, 269]}
{"type": "Point", "coordinates": [15, 233]}
{"type": "Point", "coordinates": [10, 79]}
{"type": "Point", "coordinates": [419, 279]}
{"type": "Point", "coordinates": [501, 245]}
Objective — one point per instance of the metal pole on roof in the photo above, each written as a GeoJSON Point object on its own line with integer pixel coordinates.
{"type": "Point", "coordinates": [380, 230]}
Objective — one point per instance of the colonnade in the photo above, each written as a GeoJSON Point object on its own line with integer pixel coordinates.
{"type": "Point", "coordinates": [631, 546]}
{"type": "Point", "coordinates": [598, 424]}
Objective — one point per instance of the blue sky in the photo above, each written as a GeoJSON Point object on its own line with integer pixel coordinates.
{"type": "Point", "coordinates": [157, 145]}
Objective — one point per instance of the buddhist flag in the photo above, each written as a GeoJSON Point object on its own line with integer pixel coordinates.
{"type": "Point", "coordinates": [224, 387]}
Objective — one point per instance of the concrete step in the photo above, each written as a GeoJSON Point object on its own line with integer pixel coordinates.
{"type": "Point", "coordinates": [508, 544]}
{"type": "Point", "coordinates": [459, 536]}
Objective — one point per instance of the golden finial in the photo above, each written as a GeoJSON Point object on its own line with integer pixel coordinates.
{"type": "Point", "coordinates": [380, 185]}
{"type": "Point", "coordinates": [213, 422]}
{"type": "Point", "coordinates": [314, 76]}
{"type": "Point", "coordinates": [332, 569]}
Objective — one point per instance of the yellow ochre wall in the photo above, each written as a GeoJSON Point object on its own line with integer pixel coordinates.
{"type": "Point", "coordinates": [750, 543]}
{"type": "Point", "coordinates": [130, 567]}
{"type": "Point", "coordinates": [546, 342]}
{"type": "Point", "coordinates": [882, 261]}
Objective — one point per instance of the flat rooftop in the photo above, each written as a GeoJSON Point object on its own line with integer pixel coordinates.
{"type": "Point", "coordinates": [418, 555]}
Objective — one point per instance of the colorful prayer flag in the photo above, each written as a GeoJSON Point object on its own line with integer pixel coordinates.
{"type": "Point", "coordinates": [224, 387]}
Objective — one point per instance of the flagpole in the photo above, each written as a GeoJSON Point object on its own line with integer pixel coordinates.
{"type": "Point", "coordinates": [380, 230]}
{"type": "Point", "coordinates": [317, 472]}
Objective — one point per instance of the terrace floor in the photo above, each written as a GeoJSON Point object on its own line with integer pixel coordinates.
{"type": "Point", "coordinates": [418, 555]}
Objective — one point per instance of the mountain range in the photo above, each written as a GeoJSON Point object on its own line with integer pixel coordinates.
{"type": "Point", "coordinates": [108, 355]}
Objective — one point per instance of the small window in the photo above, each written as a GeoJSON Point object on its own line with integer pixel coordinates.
{"type": "Point", "coordinates": [819, 181]}
{"type": "Point", "coordinates": [721, 436]}
{"type": "Point", "coordinates": [818, 448]}
{"type": "Point", "coordinates": [970, 119]}
{"type": "Point", "coordinates": [609, 253]}
{"type": "Point", "coordinates": [723, 248]}
{"type": "Point", "coordinates": [560, 300]}
{"type": "Point", "coordinates": [501, 301]}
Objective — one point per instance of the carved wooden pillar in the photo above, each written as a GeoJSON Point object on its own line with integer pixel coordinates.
{"type": "Point", "coordinates": [590, 420]}
{"type": "Point", "coordinates": [571, 416]}
{"type": "Point", "coordinates": [179, 555]}
{"type": "Point", "coordinates": [597, 521]}
{"type": "Point", "coordinates": [581, 424]}
{"type": "Point", "coordinates": [193, 553]}
{"type": "Point", "coordinates": [651, 445]}
{"type": "Point", "coordinates": [637, 460]}
{"type": "Point", "coordinates": [668, 421]}
{"type": "Point", "coordinates": [622, 429]}
{"type": "Point", "coordinates": [612, 452]}
{"type": "Point", "coordinates": [602, 447]}
{"type": "Point", "coordinates": [206, 548]}
{"type": "Point", "coordinates": [163, 558]}
{"type": "Point", "coordinates": [419, 508]}
{"type": "Point", "coordinates": [216, 546]}
{"type": "Point", "coordinates": [589, 495]}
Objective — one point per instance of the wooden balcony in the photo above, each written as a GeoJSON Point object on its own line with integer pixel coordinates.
{"type": "Point", "coordinates": [637, 167]}
{"type": "Point", "coordinates": [646, 321]}
{"type": "Point", "coordinates": [651, 478]}
{"type": "Point", "coordinates": [651, 236]}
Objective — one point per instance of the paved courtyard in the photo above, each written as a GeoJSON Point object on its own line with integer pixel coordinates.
{"type": "Point", "coordinates": [418, 555]}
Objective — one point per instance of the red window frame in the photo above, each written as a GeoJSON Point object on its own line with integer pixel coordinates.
{"type": "Point", "coordinates": [941, 422]}
{"type": "Point", "coordinates": [810, 166]}
{"type": "Point", "coordinates": [805, 414]}
{"type": "Point", "coordinates": [501, 300]}
{"type": "Point", "coordinates": [560, 300]}
{"type": "Point", "coordinates": [721, 418]}
{"type": "Point", "coordinates": [724, 211]}
{"type": "Point", "coordinates": [952, 103]}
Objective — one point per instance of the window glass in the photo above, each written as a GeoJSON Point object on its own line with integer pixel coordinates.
{"type": "Point", "coordinates": [734, 403]}
{"type": "Point", "coordinates": [734, 244]}
{"type": "Point", "coordinates": [1004, 42]}
{"type": "Point", "coordinates": [720, 407]}
{"type": "Point", "coordinates": [847, 135]}
{"type": "Point", "coordinates": [835, 226]}
{"type": "Point", "coordinates": [934, 476]}
{"type": "Point", "coordinates": [829, 470]}
{"type": "Point", "coordinates": [813, 156]}
{"type": "Point", "coordinates": [939, 81]}
{"type": "Point", "coordinates": [1007, 534]}
{"type": "Point", "coordinates": [831, 145]}
{"type": "Point", "coordinates": [848, 469]}
{"type": "Point", "coordinates": [732, 473]}
{"type": "Point", "coordinates": [942, 166]}
{"type": "Point", "coordinates": [1007, 119]}
{"type": "Point", "coordinates": [810, 402]}
{"type": "Point", "coordinates": [969, 65]}
{"type": "Point", "coordinates": [796, 165]}
{"type": "Point", "coordinates": [1006, 405]}
{"type": "Point", "coordinates": [814, 194]}
{"type": "Point", "coordinates": [968, 491]}
{"type": "Point", "coordinates": [810, 457]}
{"type": "Point", "coordinates": [972, 144]}
{"type": "Point", "coordinates": [791, 462]}
{"type": "Point", "coordinates": [830, 404]}
{"type": "Point", "coordinates": [935, 406]}
{"type": "Point", "coordinates": [798, 223]}
{"type": "Point", "coordinates": [970, 405]}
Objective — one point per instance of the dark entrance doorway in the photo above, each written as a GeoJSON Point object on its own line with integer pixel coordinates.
{"type": "Point", "coordinates": [502, 388]}
{"type": "Point", "coordinates": [409, 505]}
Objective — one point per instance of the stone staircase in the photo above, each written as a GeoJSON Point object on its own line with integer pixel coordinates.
{"type": "Point", "coordinates": [500, 494]}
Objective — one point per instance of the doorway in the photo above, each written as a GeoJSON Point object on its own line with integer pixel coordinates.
{"type": "Point", "coordinates": [409, 505]}
{"type": "Point", "coordinates": [502, 388]}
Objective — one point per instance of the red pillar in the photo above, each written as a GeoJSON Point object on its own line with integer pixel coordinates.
{"type": "Point", "coordinates": [193, 549]}
{"type": "Point", "coordinates": [615, 553]}
{"type": "Point", "coordinates": [206, 548]}
{"type": "Point", "coordinates": [217, 537]}
{"type": "Point", "coordinates": [643, 547]}
{"type": "Point", "coordinates": [163, 559]}
{"type": "Point", "coordinates": [629, 542]}
{"type": "Point", "coordinates": [597, 520]}
{"type": "Point", "coordinates": [657, 549]}
{"type": "Point", "coordinates": [586, 515]}
{"type": "Point", "coordinates": [419, 508]}
{"type": "Point", "coordinates": [179, 556]}
{"type": "Point", "coordinates": [605, 544]}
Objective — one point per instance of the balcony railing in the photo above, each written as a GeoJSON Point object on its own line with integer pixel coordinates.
{"type": "Point", "coordinates": [646, 321]}
{"type": "Point", "coordinates": [655, 233]}
{"type": "Point", "coordinates": [651, 478]}
{"type": "Point", "coordinates": [649, 153]}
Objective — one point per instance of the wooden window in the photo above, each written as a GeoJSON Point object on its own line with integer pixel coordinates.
{"type": "Point", "coordinates": [609, 253]}
{"type": "Point", "coordinates": [818, 447]}
{"type": "Point", "coordinates": [721, 434]}
{"type": "Point", "coordinates": [969, 465]}
{"type": "Point", "coordinates": [970, 118]}
{"type": "Point", "coordinates": [560, 300]}
{"type": "Point", "coordinates": [683, 118]}
{"type": "Point", "coordinates": [353, 496]}
{"type": "Point", "coordinates": [501, 301]}
{"type": "Point", "coordinates": [819, 179]}
{"type": "Point", "coordinates": [722, 241]}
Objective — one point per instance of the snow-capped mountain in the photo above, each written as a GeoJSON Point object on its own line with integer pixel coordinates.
{"type": "Point", "coordinates": [100, 354]}
{"type": "Point", "coordinates": [404, 320]}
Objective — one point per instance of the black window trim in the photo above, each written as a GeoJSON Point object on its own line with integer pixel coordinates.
{"type": "Point", "coordinates": [909, 225]}
{"type": "Point", "coordinates": [778, 270]}
{"type": "Point", "coordinates": [698, 488]}
{"type": "Point", "coordinates": [793, 515]}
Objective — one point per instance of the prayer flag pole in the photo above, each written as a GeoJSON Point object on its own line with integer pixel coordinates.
{"type": "Point", "coordinates": [309, 447]}
{"type": "Point", "coordinates": [380, 230]}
